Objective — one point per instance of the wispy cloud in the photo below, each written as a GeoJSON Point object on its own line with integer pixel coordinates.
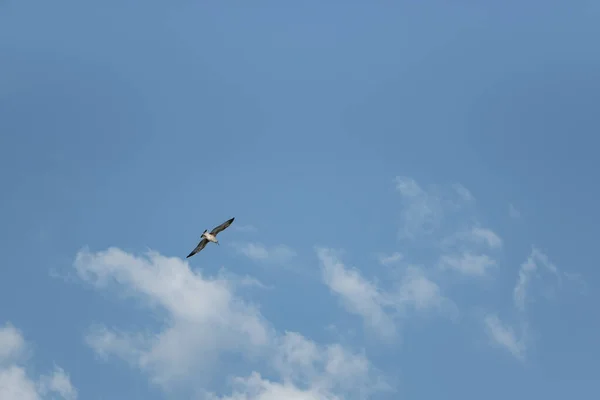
{"type": "Point", "coordinates": [467, 251]}
{"type": "Point", "coordinates": [444, 220]}
{"type": "Point", "coordinates": [467, 263]}
{"type": "Point", "coordinates": [389, 259]}
{"type": "Point", "coordinates": [438, 213]}
{"type": "Point", "coordinates": [504, 336]}
{"type": "Point", "coordinates": [16, 384]}
{"type": "Point", "coordinates": [59, 383]}
{"type": "Point", "coordinates": [527, 272]}
{"type": "Point", "coordinates": [358, 295]}
{"type": "Point", "coordinates": [279, 254]}
{"type": "Point", "coordinates": [463, 192]}
{"type": "Point", "coordinates": [485, 236]}
{"type": "Point", "coordinates": [422, 211]}
{"type": "Point", "coordinates": [419, 292]}
{"type": "Point", "coordinates": [378, 308]}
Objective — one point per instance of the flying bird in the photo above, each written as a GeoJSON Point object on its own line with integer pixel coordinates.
{"type": "Point", "coordinates": [210, 237]}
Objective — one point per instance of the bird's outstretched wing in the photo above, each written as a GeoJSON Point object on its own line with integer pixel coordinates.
{"type": "Point", "coordinates": [221, 227]}
{"type": "Point", "coordinates": [198, 248]}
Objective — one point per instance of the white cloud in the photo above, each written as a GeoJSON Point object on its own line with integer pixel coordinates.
{"type": "Point", "coordinates": [445, 221]}
{"type": "Point", "coordinates": [464, 251]}
{"type": "Point", "coordinates": [12, 344]}
{"type": "Point", "coordinates": [15, 384]}
{"type": "Point", "coordinates": [389, 259]}
{"type": "Point", "coordinates": [527, 273]}
{"type": "Point", "coordinates": [467, 263]}
{"type": "Point", "coordinates": [236, 280]}
{"type": "Point", "coordinates": [504, 336]}
{"type": "Point", "coordinates": [206, 320]}
{"type": "Point", "coordinates": [329, 368]}
{"type": "Point", "coordinates": [421, 293]}
{"type": "Point", "coordinates": [409, 188]}
{"type": "Point", "coordinates": [358, 295]}
{"type": "Point", "coordinates": [204, 317]}
{"type": "Point", "coordinates": [426, 212]}
{"type": "Point", "coordinates": [379, 308]}
{"type": "Point", "coordinates": [255, 387]}
{"type": "Point", "coordinates": [474, 237]}
{"type": "Point", "coordinates": [59, 383]}
{"type": "Point", "coordinates": [310, 371]}
{"type": "Point", "coordinates": [278, 254]}
{"type": "Point", "coordinates": [485, 236]}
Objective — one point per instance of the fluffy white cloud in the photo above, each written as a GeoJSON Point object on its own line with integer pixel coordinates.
{"type": "Point", "coordinates": [205, 320]}
{"type": "Point", "coordinates": [379, 309]}
{"type": "Point", "coordinates": [15, 384]}
{"type": "Point", "coordinates": [12, 343]}
{"type": "Point", "coordinates": [59, 383]}
{"type": "Point", "coordinates": [203, 316]}
{"type": "Point", "coordinates": [255, 387]}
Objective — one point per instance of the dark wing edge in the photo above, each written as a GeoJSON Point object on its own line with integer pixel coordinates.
{"type": "Point", "coordinates": [198, 248]}
{"type": "Point", "coordinates": [222, 227]}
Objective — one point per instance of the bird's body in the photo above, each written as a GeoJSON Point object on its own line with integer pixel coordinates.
{"type": "Point", "coordinates": [210, 236]}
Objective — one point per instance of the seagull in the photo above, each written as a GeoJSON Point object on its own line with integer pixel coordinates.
{"type": "Point", "coordinates": [210, 237]}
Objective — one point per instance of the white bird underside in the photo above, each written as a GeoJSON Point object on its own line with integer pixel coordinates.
{"type": "Point", "coordinates": [211, 236]}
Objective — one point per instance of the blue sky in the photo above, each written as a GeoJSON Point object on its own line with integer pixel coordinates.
{"type": "Point", "coordinates": [413, 187]}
